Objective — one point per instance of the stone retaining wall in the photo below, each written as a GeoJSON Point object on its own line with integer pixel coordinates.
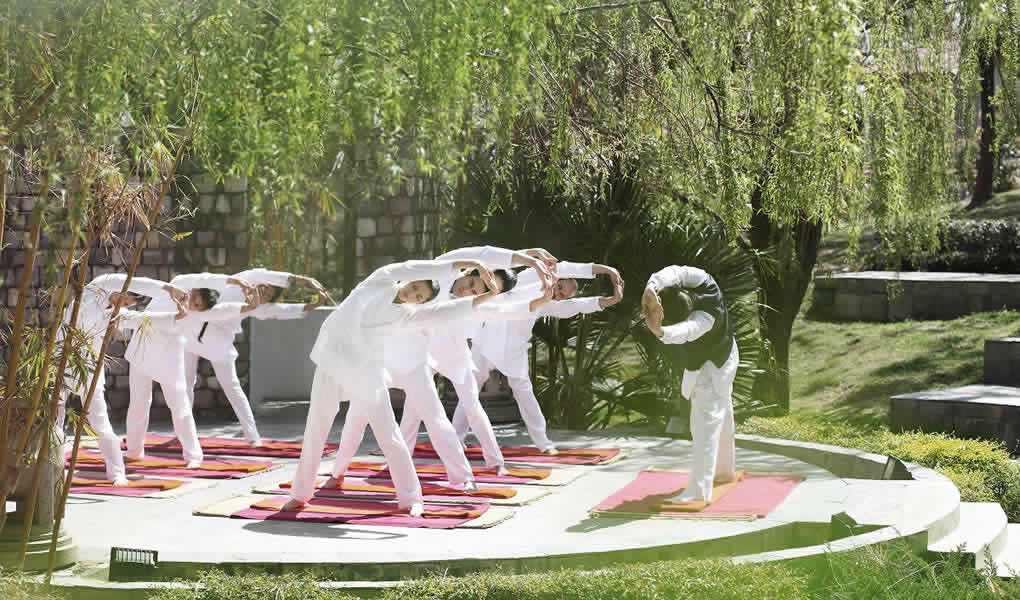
{"type": "Point", "coordinates": [896, 296]}
{"type": "Point", "coordinates": [1002, 361]}
{"type": "Point", "coordinates": [218, 243]}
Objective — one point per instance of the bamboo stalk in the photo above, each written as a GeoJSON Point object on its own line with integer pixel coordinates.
{"type": "Point", "coordinates": [87, 401]}
{"type": "Point", "coordinates": [3, 196]}
{"type": "Point", "coordinates": [15, 350]}
{"type": "Point", "coordinates": [33, 495]}
{"type": "Point", "coordinates": [44, 376]}
{"type": "Point", "coordinates": [51, 339]}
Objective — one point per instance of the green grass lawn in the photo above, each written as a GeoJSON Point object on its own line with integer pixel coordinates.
{"type": "Point", "coordinates": [849, 370]}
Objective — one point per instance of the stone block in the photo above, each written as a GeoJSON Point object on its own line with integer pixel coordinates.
{"type": "Point", "coordinates": [150, 271]}
{"type": "Point", "coordinates": [204, 184]}
{"type": "Point", "coordinates": [407, 243]}
{"type": "Point", "coordinates": [152, 256]}
{"type": "Point", "coordinates": [216, 256]}
{"type": "Point", "coordinates": [371, 207]}
{"type": "Point", "coordinates": [205, 399]}
{"type": "Point", "coordinates": [238, 205]}
{"type": "Point", "coordinates": [205, 239]}
{"type": "Point", "coordinates": [235, 224]}
{"type": "Point", "coordinates": [407, 224]}
{"type": "Point", "coordinates": [1002, 362]}
{"type": "Point", "coordinates": [359, 247]}
{"type": "Point", "coordinates": [848, 305]}
{"type": "Point", "coordinates": [205, 203]}
{"type": "Point", "coordinates": [235, 185]}
{"type": "Point", "coordinates": [400, 206]}
{"type": "Point", "coordinates": [241, 240]}
{"type": "Point", "coordinates": [384, 225]}
{"type": "Point", "coordinates": [222, 204]}
{"type": "Point", "coordinates": [366, 227]}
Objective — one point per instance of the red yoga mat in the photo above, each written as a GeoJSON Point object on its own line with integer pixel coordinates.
{"type": "Point", "coordinates": [211, 468]}
{"type": "Point", "coordinates": [755, 495]}
{"type": "Point", "coordinates": [384, 488]}
{"type": "Point", "coordinates": [436, 472]}
{"type": "Point", "coordinates": [137, 487]}
{"type": "Point", "coordinates": [230, 446]}
{"type": "Point", "coordinates": [363, 512]}
{"type": "Point", "coordinates": [566, 456]}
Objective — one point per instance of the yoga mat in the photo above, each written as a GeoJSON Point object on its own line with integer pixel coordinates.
{"type": "Point", "coordinates": [136, 488]}
{"type": "Point", "coordinates": [360, 512]}
{"type": "Point", "coordinates": [230, 446]}
{"type": "Point", "coordinates": [748, 498]}
{"type": "Point", "coordinates": [434, 492]}
{"type": "Point", "coordinates": [211, 468]}
{"type": "Point", "coordinates": [436, 472]}
{"type": "Point", "coordinates": [531, 454]}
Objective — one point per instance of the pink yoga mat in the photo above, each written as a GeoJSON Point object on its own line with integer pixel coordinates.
{"type": "Point", "coordinates": [395, 520]}
{"type": "Point", "coordinates": [230, 446]}
{"type": "Point", "coordinates": [432, 491]}
{"type": "Point", "coordinates": [436, 472]}
{"type": "Point", "coordinates": [136, 489]}
{"type": "Point", "coordinates": [212, 468]}
{"type": "Point", "coordinates": [531, 454]}
{"type": "Point", "coordinates": [756, 495]}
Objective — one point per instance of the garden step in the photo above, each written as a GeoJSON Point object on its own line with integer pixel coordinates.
{"type": "Point", "coordinates": [981, 531]}
{"type": "Point", "coordinates": [1008, 561]}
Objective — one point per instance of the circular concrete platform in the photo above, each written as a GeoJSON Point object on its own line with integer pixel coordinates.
{"type": "Point", "coordinates": [841, 503]}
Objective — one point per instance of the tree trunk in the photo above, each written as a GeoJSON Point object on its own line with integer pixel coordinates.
{"type": "Point", "coordinates": [984, 183]}
{"type": "Point", "coordinates": [783, 286]}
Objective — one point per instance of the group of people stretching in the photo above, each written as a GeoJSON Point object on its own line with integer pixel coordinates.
{"type": "Point", "coordinates": [462, 315]}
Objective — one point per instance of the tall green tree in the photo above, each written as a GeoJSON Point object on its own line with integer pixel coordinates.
{"type": "Point", "coordinates": [781, 118]}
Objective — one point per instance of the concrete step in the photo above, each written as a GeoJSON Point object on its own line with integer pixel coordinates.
{"type": "Point", "coordinates": [1008, 560]}
{"type": "Point", "coordinates": [981, 531]}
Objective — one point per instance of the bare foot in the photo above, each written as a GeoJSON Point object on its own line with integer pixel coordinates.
{"type": "Point", "coordinates": [292, 505]}
{"type": "Point", "coordinates": [551, 451]}
{"type": "Point", "coordinates": [255, 443]}
{"type": "Point", "coordinates": [417, 509]}
{"type": "Point", "coordinates": [193, 464]}
{"type": "Point", "coordinates": [470, 486]}
{"type": "Point", "coordinates": [334, 482]}
{"type": "Point", "coordinates": [501, 470]}
{"type": "Point", "coordinates": [121, 481]}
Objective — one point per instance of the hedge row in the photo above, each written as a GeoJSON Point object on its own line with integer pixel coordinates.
{"type": "Point", "coordinates": [982, 469]}
{"type": "Point", "coordinates": [965, 246]}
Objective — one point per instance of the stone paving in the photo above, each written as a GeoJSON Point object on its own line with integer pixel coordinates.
{"type": "Point", "coordinates": [555, 530]}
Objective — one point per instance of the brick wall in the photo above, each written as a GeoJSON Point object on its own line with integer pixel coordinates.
{"type": "Point", "coordinates": [218, 243]}
{"type": "Point", "coordinates": [395, 225]}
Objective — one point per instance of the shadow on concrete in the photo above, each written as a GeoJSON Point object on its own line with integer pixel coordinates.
{"type": "Point", "coordinates": [295, 529]}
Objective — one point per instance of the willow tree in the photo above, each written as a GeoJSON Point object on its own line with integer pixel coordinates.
{"type": "Point", "coordinates": [779, 118]}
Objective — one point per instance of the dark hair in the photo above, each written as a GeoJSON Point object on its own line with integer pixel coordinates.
{"type": "Point", "coordinates": [508, 277]}
{"type": "Point", "coordinates": [433, 287]}
{"type": "Point", "coordinates": [209, 296]}
{"type": "Point", "coordinates": [277, 292]}
{"type": "Point", "coordinates": [676, 305]}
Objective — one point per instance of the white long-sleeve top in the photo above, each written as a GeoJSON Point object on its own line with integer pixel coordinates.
{"type": "Point", "coordinates": [217, 343]}
{"type": "Point", "coordinates": [505, 342]}
{"type": "Point", "coordinates": [351, 343]}
{"type": "Point", "coordinates": [95, 311]}
{"type": "Point", "coordinates": [697, 324]}
{"type": "Point", "coordinates": [448, 345]}
{"type": "Point", "coordinates": [159, 352]}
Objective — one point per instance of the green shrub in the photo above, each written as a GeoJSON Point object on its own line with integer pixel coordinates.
{"type": "Point", "coordinates": [15, 586]}
{"type": "Point", "coordinates": [982, 469]}
{"type": "Point", "coordinates": [985, 246]}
